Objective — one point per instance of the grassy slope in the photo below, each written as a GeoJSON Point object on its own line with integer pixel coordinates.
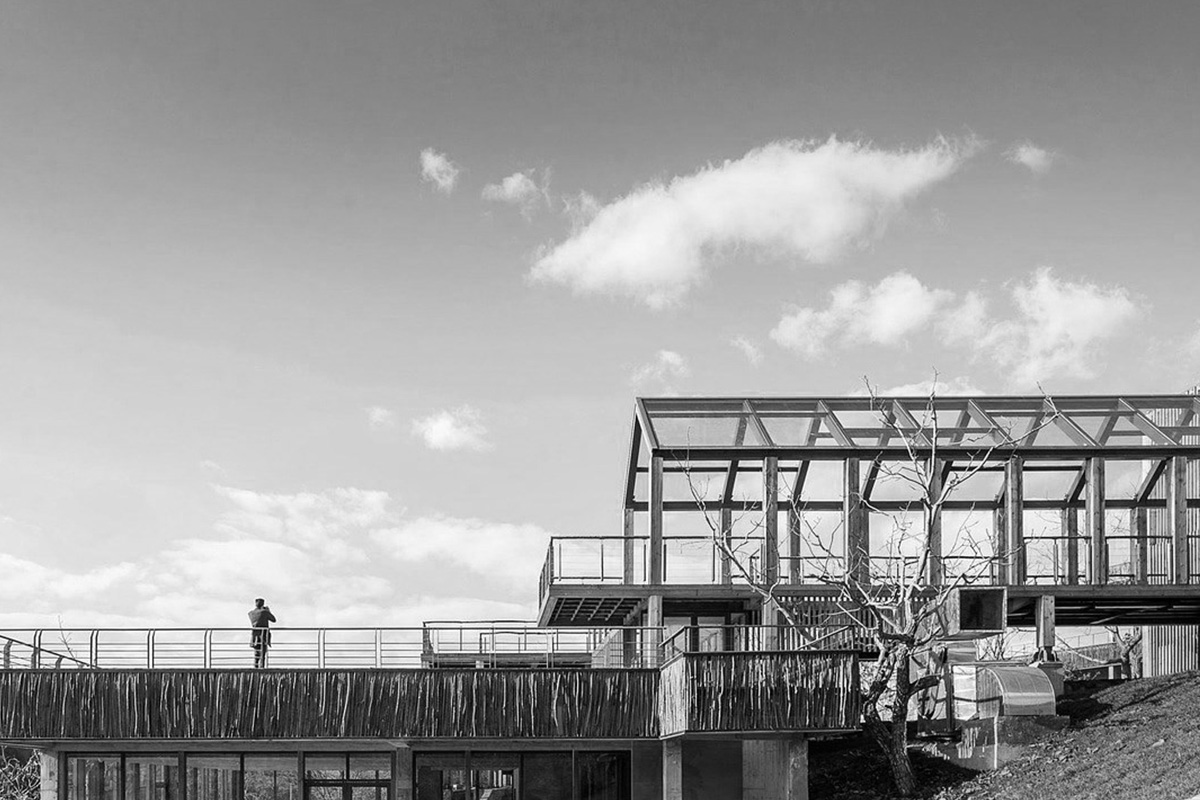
{"type": "Point", "coordinates": [1137, 740]}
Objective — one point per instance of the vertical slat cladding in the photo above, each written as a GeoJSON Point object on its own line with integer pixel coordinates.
{"type": "Point", "coordinates": [760, 692]}
{"type": "Point", "coordinates": [111, 704]}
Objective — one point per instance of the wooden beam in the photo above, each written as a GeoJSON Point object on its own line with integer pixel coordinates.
{"type": "Point", "coordinates": [1177, 527]}
{"type": "Point", "coordinates": [1094, 509]}
{"type": "Point", "coordinates": [1146, 488]}
{"type": "Point", "coordinates": [1070, 529]}
{"type": "Point", "coordinates": [1143, 424]}
{"type": "Point", "coordinates": [935, 573]}
{"type": "Point", "coordinates": [655, 577]}
{"type": "Point", "coordinates": [1139, 526]}
{"type": "Point", "coordinates": [1014, 515]}
{"type": "Point", "coordinates": [769, 558]}
{"type": "Point", "coordinates": [855, 524]}
{"type": "Point", "coordinates": [629, 549]}
{"type": "Point", "coordinates": [835, 426]}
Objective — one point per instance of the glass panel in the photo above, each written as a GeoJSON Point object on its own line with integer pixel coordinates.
{"type": "Point", "coordinates": [369, 792]}
{"type": "Point", "coordinates": [603, 776]}
{"type": "Point", "coordinates": [213, 777]}
{"type": "Point", "coordinates": [94, 778]}
{"type": "Point", "coordinates": [372, 766]}
{"type": "Point", "coordinates": [151, 777]}
{"type": "Point", "coordinates": [494, 775]}
{"type": "Point", "coordinates": [547, 776]}
{"type": "Point", "coordinates": [435, 782]}
{"type": "Point", "coordinates": [325, 767]}
{"type": "Point", "coordinates": [323, 793]}
{"type": "Point", "coordinates": [271, 778]}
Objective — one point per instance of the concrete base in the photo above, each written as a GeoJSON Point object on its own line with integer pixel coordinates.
{"type": "Point", "coordinates": [992, 742]}
{"type": "Point", "coordinates": [754, 769]}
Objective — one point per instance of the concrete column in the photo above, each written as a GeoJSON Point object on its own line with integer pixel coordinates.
{"type": "Point", "coordinates": [49, 777]}
{"type": "Point", "coordinates": [775, 769]}
{"type": "Point", "coordinates": [402, 783]}
{"type": "Point", "coordinates": [672, 769]}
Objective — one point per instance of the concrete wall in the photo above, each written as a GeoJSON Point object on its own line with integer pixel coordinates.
{"type": "Point", "coordinates": [646, 771]}
{"type": "Point", "coordinates": [728, 769]}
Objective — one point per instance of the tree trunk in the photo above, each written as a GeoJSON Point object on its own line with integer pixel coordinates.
{"type": "Point", "coordinates": [892, 737]}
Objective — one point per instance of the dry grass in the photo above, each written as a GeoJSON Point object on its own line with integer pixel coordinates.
{"type": "Point", "coordinates": [1137, 740]}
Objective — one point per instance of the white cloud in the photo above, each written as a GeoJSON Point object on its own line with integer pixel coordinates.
{"type": "Point", "coordinates": [500, 552]}
{"type": "Point", "coordinates": [1037, 159]}
{"type": "Point", "coordinates": [886, 314]}
{"type": "Point", "coordinates": [1057, 328]}
{"type": "Point", "coordinates": [439, 170]}
{"type": "Point", "coordinates": [380, 418]}
{"type": "Point", "coordinates": [580, 210]}
{"type": "Point", "coordinates": [790, 199]}
{"type": "Point", "coordinates": [750, 350]}
{"type": "Point", "coordinates": [518, 189]}
{"type": "Point", "coordinates": [461, 428]}
{"type": "Point", "coordinates": [666, 366]}
{"type": "Point", "coordinates": [957, 386]}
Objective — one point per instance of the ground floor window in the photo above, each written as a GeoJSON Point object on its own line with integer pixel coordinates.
{"type": "Point", "coordinates": [567, 775]}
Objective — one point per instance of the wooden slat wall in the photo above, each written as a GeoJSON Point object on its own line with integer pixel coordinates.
{"type": "Point", "coordinates": [286, 704]}
{"type": "Point", "coordinates": [729, 692]}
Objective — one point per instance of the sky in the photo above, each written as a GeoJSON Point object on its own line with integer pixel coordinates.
{"type": "Point", "coordinates": [346, 304]}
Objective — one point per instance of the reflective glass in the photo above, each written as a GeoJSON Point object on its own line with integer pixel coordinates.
{"type": "Point", "coordinates": [94, 778]}
{"type": "Point", "coordinates": [151, 777]}
{"type": "Point", "coordinates": [271, 777]}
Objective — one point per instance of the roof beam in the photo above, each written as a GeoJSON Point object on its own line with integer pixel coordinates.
{"type": "Point", "coordinates": [835, 425]}
{"type": "Point", "coordinates": [1143, 424]}
{"type": "Point", "coordinates": [1147, 485]}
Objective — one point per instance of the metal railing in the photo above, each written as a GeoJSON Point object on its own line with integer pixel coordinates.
{"type": "Point", "coordinates": [432, 645]}
{"type": "Point", "coordinates": [762, 638]}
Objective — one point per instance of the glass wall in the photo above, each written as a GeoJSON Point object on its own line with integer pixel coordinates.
{"type": "Point", "coordinates": [150, 777]}
{"type": "Point", "coordinates": [580, 775]}
{"type": "Point", "coordinates": [94, 778]}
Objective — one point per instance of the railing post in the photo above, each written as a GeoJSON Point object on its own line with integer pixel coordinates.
{"type": "Point", "coordinates": [150, 649]}
{"type": "Point", "coordinates": [94, 648]}
{"type": "Point", "coordinates": [35, 658]}
{"type": "Point", "coordinates": [627, 552]}
{"type": "Point", "coordinates": [378, 648]}
{"type": "Point", "coordinates": [8, 654]}
{"type": "Point", "coordinates": [207, 647]}
{"type": "Point", "coordinates": [320, 648]}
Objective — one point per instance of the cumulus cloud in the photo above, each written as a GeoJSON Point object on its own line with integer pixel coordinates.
{"type": "Point", "coordinates": [789, 199]}
{"type": "Point", "coordinates": [380, 418]}
{"type": "Point", "coordinates": [518, 189]}
{"type": "Point", "coordinates": [942, 388]}
{"type": "Point", "coordinates": [461, 428]}
{"type": "Point", "coordinates": [1057, 328]}
{"type": "Point", "coordinates": [1036, 159]}
{"type": "Point", "coordinates": [749, 349]}
{"type": "Point", "coordinates": [439, 170]}
{"type": "Point", "coordinates": [886, 313]}
{"type": "Point", "coordinates": [1053, 327]}
{"type": "Point", "coordinates": [666, 366]}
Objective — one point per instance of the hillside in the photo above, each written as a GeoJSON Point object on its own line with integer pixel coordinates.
{"type": "Point", "coordinates": [1137, 740]}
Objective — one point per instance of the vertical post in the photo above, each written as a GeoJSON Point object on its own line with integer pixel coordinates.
{"type": "Point", "coordinates": [1139, 525]}
{"type": "Point", "coordinates": [403, 782]}
{"type": "Point", "coordinates": [769, 560]}
{"type": "Point", "coordinates": [49, 775]}
{"type": "Point", "coordinates": [1014, 515]}
{"type": "Point", "coordinates": [724, 569]}
{"type": "Point", "coordinates": [1044, 624]}
{"type": "Point", "coordinates": [1177, 527]}
{"type": "Point", "coordinates": [654, 629]}
{"type": "Point", "coordinates": [1000, 542]}
{"type": "Point", "coordinates": [795, 565]}
{"type": "Point", "coordinates": [854, 523]}
{"type": "Point", "coordinates": [672, 769]}
{"type": "Point", "coordinates": [628, 557]}
{"type": "Point", "coordinates": [1070, 529]}
{"type": "Point", "coordinates": [1094, 514]}
{"type": "Point", "coordinates": [935, 573]}
{"type": "Point", "coordinates": [655, 578]}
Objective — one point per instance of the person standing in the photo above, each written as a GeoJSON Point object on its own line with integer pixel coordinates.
{"type": "Point", "coordinates": [260, 631]}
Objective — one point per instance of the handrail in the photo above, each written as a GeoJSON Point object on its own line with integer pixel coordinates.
{"type": "Point", "coordinates": [481, 644]}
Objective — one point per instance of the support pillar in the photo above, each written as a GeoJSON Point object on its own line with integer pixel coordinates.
{"type": "Point", "coordinates": [855, 522]}
{"type": "Point", "coordinates": [1070, 529]}
{"type": "Point", "coordinates": [1094, 517]}
{"type": "Point", "coordinates": [1139, 526]}
{"type": "Point", "coordinates": [49, 775]}
{"type": "Point", "coordinates": [775, 769]}
{"type": "Point", "coordinates": [769, 556]}
{"type": "Point", "coordinates": [1000, 543]}
{"type": "Point", "coordinates": [935, 574]}
{"type": "Point", "coordinates": [654, 630]}
{"type": "Point", "coordinates": [1177, 527]}
{"type": "Point", "coordinates": [655, 556]}
{"type": "Point", "coordinates": [628, 552]}
{"type": "Point", "coordinates": [402, 783]}
{"type": "Point", "coordinates": [724, 568]}
{"type": "Point", "coordinates": [672, 769]}
{"type": "Point", "coordinates": [1044, 622]}
{"type": "Point", "coordinates": [1014, 517]}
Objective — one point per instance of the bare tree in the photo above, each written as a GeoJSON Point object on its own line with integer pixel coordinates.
{"type": "Point", "coordinates": [897, 600]}
{"type": "Point", "coordinates": [20, 780]}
